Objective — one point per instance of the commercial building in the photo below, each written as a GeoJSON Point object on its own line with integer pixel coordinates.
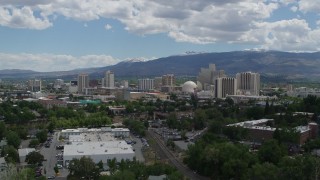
{"type": "Point", "coordinates": [124, 84]}
{"type": "Point", "coordinates": [23, 153]}
{"type": "Point", "coordinates": [98, 144]}
{"type": "Point", "coordinates": [157, 83]}
{"type": "Point", "coordinates": [245, 99]}
{"type": "Point", "coordinates": [207, 76]}
{"type": "Point", "coordinates": [108, 80]}
{"type": "Point", "coordinates": [98, 151]}
{"type": "Point", "coordinates": [259, 130]}
{"type": "Point", "coordinates": [58, 84]}
{"type": "Point", "coordinates": [34, 85]}
{"type": "Point", "coordinates": [225, 86]}
{"type": "Point", "coordinates": [168, 80]}
{"type": "Point", "coordinates": [145, 84]}
{"type": "Point", "coordinates": [72, 86]}
{"type": "Point", "coordinates": [83, 83]}
{"type": "Point", "coordinates": [117, 132]}
{"type": "Point", "coordinates": [50, 103]}
{"type": "Point", "coordinates": [248, 83]}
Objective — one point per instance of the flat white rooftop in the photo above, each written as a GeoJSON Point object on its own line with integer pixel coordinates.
{"type": "Point", "coordinates": [251, 123]}
{"type": "Point", "coordinates": [103, 129]}
{"type": "Point", "coordinates": [97, 148]}
{"type": "Point", "coordinates": [92, 136]}
{"type": "Point", "coordinates": [25, 151]}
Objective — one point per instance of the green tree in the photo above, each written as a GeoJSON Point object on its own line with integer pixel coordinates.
{"type": "Point", "coordinates": [2, 129]}
{"type": "Point", "coordinates": [33, 143]}
{"type": "Point", "coordinates": [34, 158]}
{"type": "Point", "coordinates": [42, 135]}
{"type": "Point", "coordinates": [13, 139]}
{"type": "Point", "coordinates": [255, 112]}
{"type": "Point", "coordinates": [56, 169]}
{"type": "Point", "coordinates": [83, 167]}
{"type": "Point", "coordinates": [112, 164]}
{"type": "Point", "coordinates": [25, 174]}
{"type": "Point", "coordinates": [10, 153]}
{"type": "Point", "coordinates": [100, 165]}
{"type": "Point", "coordinates": [264, 171]}
{"type": "Point", "coordinates": [271, 151]}
{"type": "Point", "coordinates": [199, 119]}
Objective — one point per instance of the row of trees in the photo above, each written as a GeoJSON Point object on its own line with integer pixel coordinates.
{"type": "Point", "coordinates": [20, 112]}
{"type": "Point", "coordinates": [129, 170]}
{"type": "Point", "coordinates": [92, 120]}
{"type": "Point", "coordinates": [225, 160]}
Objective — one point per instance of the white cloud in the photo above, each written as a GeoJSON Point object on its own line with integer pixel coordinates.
{"type": "Point", "coordinates": [53, 62]}
{"type": "Point", "coordinates": [294, 8]}
{"type": "Point", "coordinates": [108, 27]}
{"type": "Point", "coordinates": [201, 22]}
{"type": "Point", "coordinates": [309, 6]}
{"type": "Point", "coordinates": [287, 35]}
{"type": "Point", "coordinates": [22, 18]}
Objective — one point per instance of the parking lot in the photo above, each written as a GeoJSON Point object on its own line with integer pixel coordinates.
{"type": "Point", "coordinates": [53, 157]}
{"type": "Point", "coordinates": [137, 146]}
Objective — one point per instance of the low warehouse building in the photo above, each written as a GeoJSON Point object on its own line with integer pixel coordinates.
{"type": "Point", "coordinates": [24, 152]}
{"type": "Point", "coordinates": [98, 151]}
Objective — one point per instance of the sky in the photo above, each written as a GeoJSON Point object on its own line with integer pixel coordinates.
{"type": "Point", "coordinates": [56, 35]}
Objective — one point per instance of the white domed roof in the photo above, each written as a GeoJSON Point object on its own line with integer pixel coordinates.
{"type": "Point", "coordinates": [189, 87]}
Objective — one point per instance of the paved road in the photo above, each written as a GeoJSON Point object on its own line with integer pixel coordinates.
{"type": "Point", "coordinates": [173, 159]}
{"type": "Point", "coordinates": [138, 148]}
{"type": "Point", "coordinates": [50, 155]}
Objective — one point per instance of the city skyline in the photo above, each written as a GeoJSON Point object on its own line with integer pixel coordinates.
{"type": "Point", "coordinates": [64, 35]}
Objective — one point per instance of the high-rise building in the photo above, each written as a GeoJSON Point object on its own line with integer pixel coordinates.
{"type": "Point", "coordinates": [225, 86]}
{"type": "Point", "coordinates": [108, 80]}
{"type": "Point", "coordinates": [83, 82]}
{"type": "Point", "coordinates": [125, 84]}
{"type": "Point", "coordinates": [157, 83]}
{"type": "Point", "coordinates": [34, 85]}
{"type": "Point", "coordinates": [207, 76]}
{"type": "Point", "coordinates": [168, 80]}
{"type": "Point", "coordinates": [145, 84]}
{"type": "Point", "coordinates": [248, 83]}
{"type": "Point", "coordinates": [58, 83]}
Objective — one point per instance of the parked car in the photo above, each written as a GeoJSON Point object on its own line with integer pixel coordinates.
{"type": "Point", "coordinates": [51, 177]}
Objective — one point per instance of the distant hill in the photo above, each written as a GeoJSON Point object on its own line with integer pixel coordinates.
{"type": "Point", "coordinates": [268, 63]}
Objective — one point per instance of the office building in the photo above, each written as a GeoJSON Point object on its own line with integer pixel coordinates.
{"type": "Point", "coordinates": [145, 84]}
{"type": "Point", "coordinates": [207, 76]}
{"type": "Point", "coordinates": [168, 80]}
{"type": "Point", "coordinates": [108, 80]}
{"type": "Point", "coordinates": [58, 84]}
{"type": "Point", "coordinates": [83, 82]}
{"type": "Point", "coordinates": [248, 83]}
{"type": "Point", "coordinates": [125, 84]}
{"type": "Point", "coordinates": [225, 86]}
{"type": "Point", "coordinates": [34, 85]}
{"type": "Point", "coordinates": [157, 83]}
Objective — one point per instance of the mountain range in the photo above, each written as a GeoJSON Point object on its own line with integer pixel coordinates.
{"type": "Point", "coordinates": [268, 63]}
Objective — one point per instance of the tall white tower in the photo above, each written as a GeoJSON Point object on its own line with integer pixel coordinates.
{"type": "Point", "coordinates": [83, 82]}
{"type": "Point", "coordinates": [108, 79]}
